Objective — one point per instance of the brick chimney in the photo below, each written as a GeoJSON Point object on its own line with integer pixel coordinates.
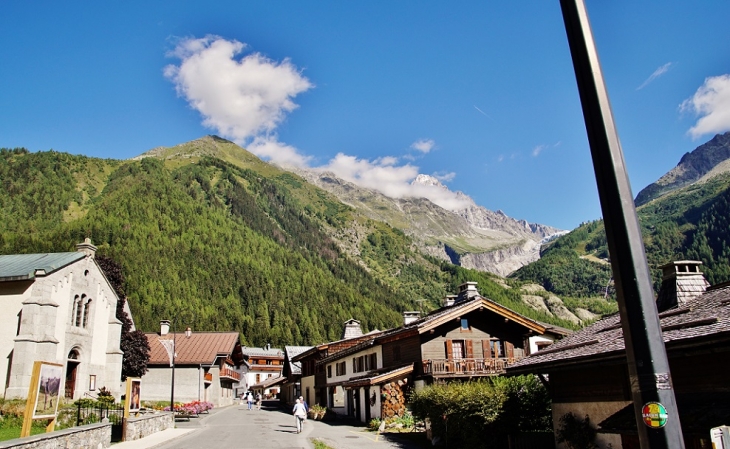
{"type": "Point", "coordinates": [164, 327]}
{"type": "Point", "coordinates": [352, 329]}
{"type": "Point", "coordinates": [682, 281]}
{"type": "Point", "coordinates": [87, 248]}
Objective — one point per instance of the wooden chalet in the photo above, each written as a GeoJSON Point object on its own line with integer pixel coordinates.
{"type": "Point", "coordinates": [470, 336]}
{"type": "Point", "coordinates": [587, 372]}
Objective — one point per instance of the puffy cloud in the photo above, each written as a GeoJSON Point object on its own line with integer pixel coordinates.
{"type": "Point", "coordinates": [282, 154]}
{"type": "Point", "coordinates": [392, 180]}
{"type": "Point", "coordinates": [423, 145]}
{"type": "Point", "coordinates": [242, 99]}
{"type": "Point", "coordinates": [657, 73]}
{"type": "Point", "coordinates": [712, 103]}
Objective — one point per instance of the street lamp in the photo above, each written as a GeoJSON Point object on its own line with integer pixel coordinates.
{"type": "Point", "coordinates": [171, 351]}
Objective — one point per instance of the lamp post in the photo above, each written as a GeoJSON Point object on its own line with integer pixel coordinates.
{"type": "Point", "coordinates": [173, 354]}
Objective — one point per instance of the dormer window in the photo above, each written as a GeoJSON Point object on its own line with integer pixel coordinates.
{"type": "Point", "coordinates": [464, 324]}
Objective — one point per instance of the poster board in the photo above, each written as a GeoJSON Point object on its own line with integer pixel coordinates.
{"type": "Point", "coordinates": [133, 395]}
{"type": "Point", "coordinates": [43, 395]}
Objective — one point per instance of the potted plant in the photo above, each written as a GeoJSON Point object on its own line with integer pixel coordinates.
{"type": "Point", "coordinates": [317, 411]}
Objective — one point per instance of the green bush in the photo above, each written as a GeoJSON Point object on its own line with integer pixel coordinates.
{"type": "Point", "coordinates": [482, 413]}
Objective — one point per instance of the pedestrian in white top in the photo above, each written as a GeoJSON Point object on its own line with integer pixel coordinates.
{"type": "Point", "coordinates": [299, 414]}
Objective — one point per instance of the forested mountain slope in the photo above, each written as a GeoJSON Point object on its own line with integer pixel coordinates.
{"type": "Point", "coordinates": [692, 222]}
{"type": "Point", "coordinates": [215, 239]}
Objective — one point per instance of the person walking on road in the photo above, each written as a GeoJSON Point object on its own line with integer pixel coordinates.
{"type": "Point", "coordinates": [258, 401]}
{"type": "Point", "coordinates": [306, 407]}
{"type": "Point", "coordinates": [299, 414]}
{"type": "Point", "coordinates": [249, 399]}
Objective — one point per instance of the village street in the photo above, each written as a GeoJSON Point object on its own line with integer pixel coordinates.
{"type": "Point", "coordinates": [273, 427]}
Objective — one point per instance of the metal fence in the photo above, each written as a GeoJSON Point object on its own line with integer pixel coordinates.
{"type": "Point", "coordinates": [90, 414]}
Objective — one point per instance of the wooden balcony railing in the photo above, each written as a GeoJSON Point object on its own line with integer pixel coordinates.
{"type": "Point", "coordinates": [208, 377]}
{"type": "Point", "coordinates": [228, 373]}
{"type": "Point", "coordinates": [465, 367]}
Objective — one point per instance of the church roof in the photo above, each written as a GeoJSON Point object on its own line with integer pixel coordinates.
{"type": "Point", "coordinates": [19, 267]}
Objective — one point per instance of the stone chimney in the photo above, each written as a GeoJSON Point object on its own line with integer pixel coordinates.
{"type": "Point", "coordinates": [409, 317]}
{"type": "Point", "coordinates": [87, 248]}
{"type": "Point", "coordinates": [682, 281]}
{"type": "Point", "coordinates": [449, 300]}
{"type": "Point", "coordinates": [352, 329]}
{"type": "Point", "coordinates": [467, 290]}
{"type": "Point", "coordinates": [164, 327]}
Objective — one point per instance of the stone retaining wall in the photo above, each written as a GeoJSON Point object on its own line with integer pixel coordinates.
{"type": "Point", "coordinates": [147, 424]}
{"type": "Point", "coordinates": [92, 436]}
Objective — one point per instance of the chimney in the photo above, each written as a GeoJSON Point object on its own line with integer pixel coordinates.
{"type": "Point", "coordinates": [164, 327]}
{"type": "Point", "coordinates": [467, 290]}
{"type": "Point", "coordinates": [409, 317]}
{"type": "Point", "coordinates": [449, 300]}
{"type": "Point", "coordinates": [352, 329]}
{"type": "Point", "coordinates": [682, 281]}
{"type": "Point", "coordinates": [87, 248]}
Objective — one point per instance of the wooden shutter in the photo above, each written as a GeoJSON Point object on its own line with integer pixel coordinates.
{"type": "Point", "coordinates": [449, 350]}
{"type": "Point", "coordinates": [487, 349]}
{"type": "Point", "coordinates": [469, 349]}
{"type": "Point", "coordinates": [510, 349]}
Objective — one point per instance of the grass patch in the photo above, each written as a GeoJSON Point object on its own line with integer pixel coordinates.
{"type": "Point", "coordinates": [10, 433]}
{"type": "Point", "coordinates": [319, 444]}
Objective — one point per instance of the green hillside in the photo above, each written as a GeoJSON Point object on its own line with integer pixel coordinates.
{"type": "Point", "coordinates": [689, 223]}
{"type": "Point", "coordinates": [215, 239]}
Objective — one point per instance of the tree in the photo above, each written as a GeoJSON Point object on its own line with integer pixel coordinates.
{"type": "Point", "coordinates": [133, 343]}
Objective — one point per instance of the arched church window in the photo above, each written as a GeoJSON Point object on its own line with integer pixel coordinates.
{"type": "Point", "coordinates": [87, 306]}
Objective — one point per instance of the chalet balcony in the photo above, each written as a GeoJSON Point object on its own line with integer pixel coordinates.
{"type": "Point", "coordinates": [208, 378]}
{"type": "Point", "coordinates": [228, 373]}
{"type": "Point", "coordinates": [465, 367]}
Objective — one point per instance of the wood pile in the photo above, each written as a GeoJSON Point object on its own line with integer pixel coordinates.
{"type": "Point", "coordinates": [393, 398]}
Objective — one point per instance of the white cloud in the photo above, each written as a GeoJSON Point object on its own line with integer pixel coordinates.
{"type": "Point", "coordinates": [392, 180]}
{"type": "Point", "coordinates": [242, 99]}
{"type": "Point", "coordinates": [538, 149]}
{"type": "Point", "coordinates": [445, 177]}
{"type": "Point", "coordinates": [423, 145]}
{"type": "Point", "coordinates": [269, 147]}
{"type": "Point", "coordinates": [712, 103]}
{"type": "Point", "coordinates": [657, 73]}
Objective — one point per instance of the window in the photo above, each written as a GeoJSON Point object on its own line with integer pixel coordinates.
{"type": "Point", "coordinates": [87, 307]}
{"type": "Point", "coordinates": [464, 324]}
{"type": "Point", "coordinates": [457, 349]}
{"type": "Point", "coordinates": [329, 370]}
{"type": "Point", "coordinates": [258, 378]}
{"type": "Point", "coordinates": [497, 348]}
{"type": "Point", "coordinates": [341, 368]}
{"type": "Point", "coordinates": [373, 361]}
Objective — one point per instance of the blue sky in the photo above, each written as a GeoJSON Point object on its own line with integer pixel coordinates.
{"type": "Point", "coordinates": [480, 94]}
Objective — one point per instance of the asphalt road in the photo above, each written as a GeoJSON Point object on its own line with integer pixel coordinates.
{"type": "Point", "coordinates": [274, 427]}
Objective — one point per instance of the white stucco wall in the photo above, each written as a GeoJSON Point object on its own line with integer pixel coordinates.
{"type": "Point", "coordinates": [535, 339]}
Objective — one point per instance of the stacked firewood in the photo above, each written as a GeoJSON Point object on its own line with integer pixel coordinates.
{"type": "Point", "coordinates": [393, 398]}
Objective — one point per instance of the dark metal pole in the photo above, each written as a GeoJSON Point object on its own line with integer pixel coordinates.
{"type": "Point", "coordinates": [172, 386]}
{"type": "Point", "coordinates": [646, 356]}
